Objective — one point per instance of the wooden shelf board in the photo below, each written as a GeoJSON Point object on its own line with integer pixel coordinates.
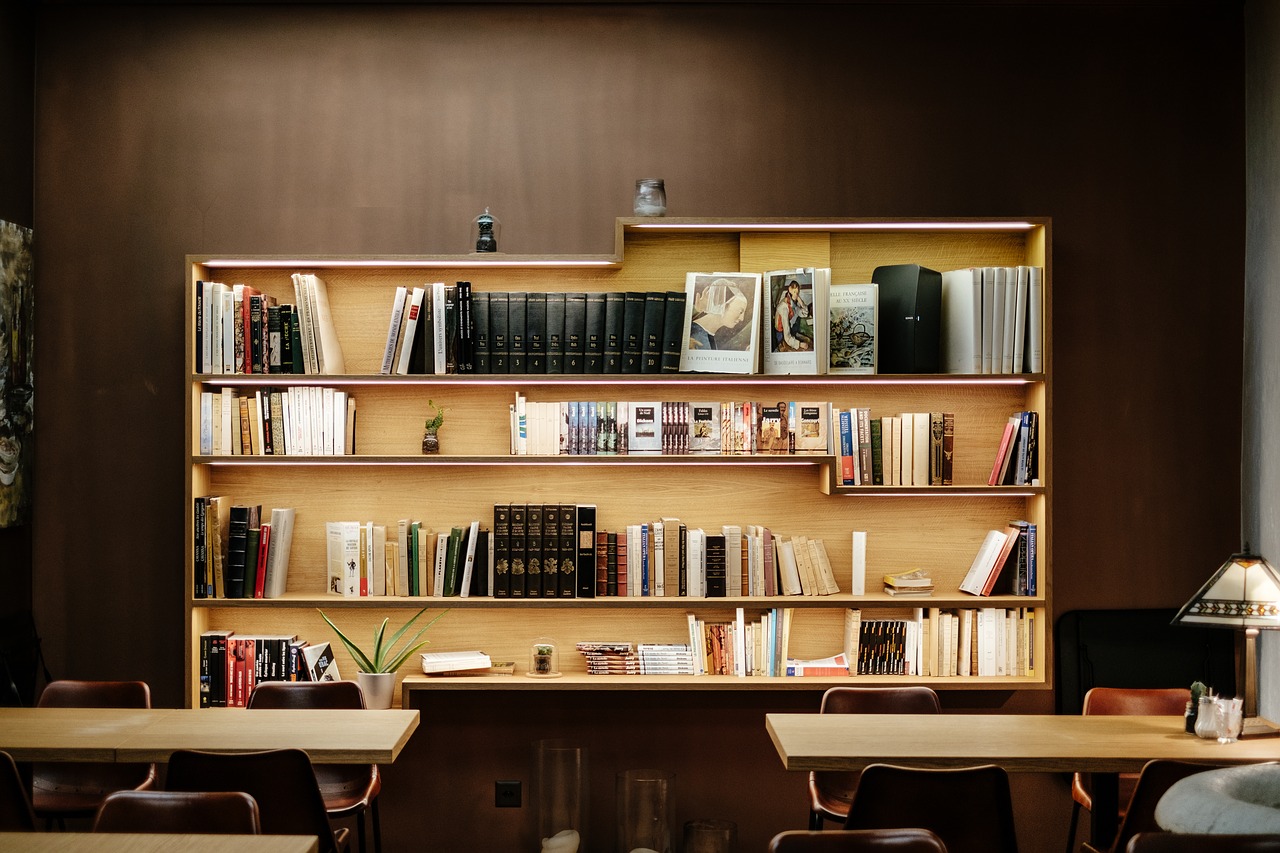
{"type": "Point", "coordinates": [581, 681]}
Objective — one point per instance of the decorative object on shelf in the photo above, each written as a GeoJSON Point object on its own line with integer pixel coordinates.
{"type": "Point", "coordinates": [651, 197]}
{"type": "Point", "coordinates": [1243, 593]}
{"type": "Point", "coordinates": [710, 835]}
{"type": "Point", "coordinates": [431, 429]}
{"type": "Point", "coordinates": [560, 768]}
{"type": "Point", "coordinates": [384, 658]}
{"type": "Point", "coordinates": [485, 231]}
{"type": "Point", "coordinates": [543, 659]}
{"type": "Point", "coordinates": [644, 811]}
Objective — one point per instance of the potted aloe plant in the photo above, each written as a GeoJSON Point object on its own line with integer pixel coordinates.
{"type": "Point", "coordinates": [376, 670]}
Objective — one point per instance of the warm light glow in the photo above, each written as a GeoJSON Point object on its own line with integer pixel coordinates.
{"type": "Point", "coordinates": [835, 226]}
{"type": "Point", "coordinates": [1243, 593]}
{"type": "Point", "coordinates": [456, 262]}
{"type": "Point", "coordinates": [273, 379]}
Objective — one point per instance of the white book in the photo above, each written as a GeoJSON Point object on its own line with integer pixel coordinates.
{"type": "Point", "coordinates": [853, 312]}
{"type": "Point", "coordinates": [410, 330]}
{"type": "Point", "coordinates": [720, 330]}
{"type": "Point", "coordinates": [657, 580]}
{"type": "Point", "coordinates": [439, 662]}
{"type": "Point", "coordinates": [306, 329]}
{"type": "Point", "coordinates": [983, 562]}
{"type": "Point", "coordinates": [1020, 319]}
{"type": "Point", "coordinates": [329, 348]}
{"type": "Point", "coordinates": [1035, 320]}
{"type": "Point", "coordinates": [437, 573]}
{"type": "Point", "coordinates": [858, 585]}
{"type": "Point", "coordinates": [206, 328]}
{"type": "Point", "coordinates": [733, 559]}
{"type": "Point", "coordinates": [342, 541]}
{"type": "Point", "coordinates": [644, 426]}
{"type": "Point", "coordinates": [789, 572]}
{"type": "Point", "coordinates": [697, 569]}
{"type": "Point", "coordinates": [378, 560]}
{"type": "Point", "coordinates": [278, 552]}
{"type": "Point", "coordinates": [339, 423]}
{"type": "Point", "coordinates": [1000, 290]}
{"type": "Point", "coordinates": [206, 423]}
{"type": "Point", "coordinates": [215, 328]}
{"type": "Point", "coordinates": [790, 320]}
{"type": "Point", "coordinates": [988, 315]}
{"type": "Point", "coordinates": [739, 643]}
{"type": "Point", "coordinates": [906, 440]}
{"type": "Point", "coordinates": [229, 331]}
{"type": "Point", "coordinates": [920, 449]}
{"type": "Point", "coordinates": [227, 403]}
{"type": "Point", "coordinates": [469, 561]}
{"type": "Point", "coordinates": [1010, 321]}
{"type": "Point", "coordinates": [438, 326]}
{"type": "Point", "coordinates": [962, 320]}
{"type": "Point", "coordinates": [393, 329]}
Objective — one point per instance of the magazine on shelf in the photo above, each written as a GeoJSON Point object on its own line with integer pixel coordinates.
{"type": "Point", "coordinates": [720, 323]}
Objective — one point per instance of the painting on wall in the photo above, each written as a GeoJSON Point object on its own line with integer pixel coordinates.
{"type": "Point", "coordinates": [16, 340]}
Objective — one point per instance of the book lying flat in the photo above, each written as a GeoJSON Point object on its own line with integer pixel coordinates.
{"type": "Point", "coordinates": [439, 663]}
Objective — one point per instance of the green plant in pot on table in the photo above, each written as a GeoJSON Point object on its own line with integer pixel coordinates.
{"type": "Point", "coordinates": [377, 669]}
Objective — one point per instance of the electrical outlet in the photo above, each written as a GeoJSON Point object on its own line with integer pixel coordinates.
{"type": "Point", "coordinates": [506, 794]}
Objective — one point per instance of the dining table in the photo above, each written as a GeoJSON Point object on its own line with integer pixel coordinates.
{"type": "Point", "coordinates": [1104, 746]}
{"type": "Point", "coordinates": [157, 842]}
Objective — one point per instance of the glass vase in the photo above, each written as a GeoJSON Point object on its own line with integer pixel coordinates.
{"type": "Point", "coordinates": [644, 811]}
{"type": "Point", "coordinates": [560, 780]}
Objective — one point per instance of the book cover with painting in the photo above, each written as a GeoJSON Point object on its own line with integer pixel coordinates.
{"type": "Point", "coordinates": [854, 316]}
{"type": "Point", "coordinates": [720, 323]}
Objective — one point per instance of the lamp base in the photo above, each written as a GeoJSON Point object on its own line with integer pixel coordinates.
{"type": "Point", "coordinates": [1259, 727]}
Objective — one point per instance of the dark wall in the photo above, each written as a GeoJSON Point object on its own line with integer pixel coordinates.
{"type": "Point", "coordinates": [167, 131]}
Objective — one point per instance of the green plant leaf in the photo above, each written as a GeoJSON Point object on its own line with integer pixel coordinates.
{"type": "Point", "coordinates": [377, 644]}
{"type": "Point", "coordinates": [362, 662]}
{"type": "Point", "coordinates": [384, 659]}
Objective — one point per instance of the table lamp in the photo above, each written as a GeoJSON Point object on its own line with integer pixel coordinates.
{"type": "Point", "coordinates": [1243, 593]}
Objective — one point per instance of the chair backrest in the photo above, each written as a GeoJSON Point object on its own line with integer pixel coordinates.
{"type": "Point", "coordinates": [202, 812]}
{"type": "Point", "coordinates": [969, 808]}
{"type": "Point", "coordinates": [1156, 777]}
{"type": "Point", "coordinates": [1128, 701]}
{"type": "Point", "coordinates": [909, 840]}
{"type": "Point", "coordinates": [15, 807]}
{"type": "Point", "coordinates": [1181, 842]}
{"type": "Point", "coordinates": [306, 694]}
{"type": "Point", "coordinates": [280, 780]}
{"type": "Point", "coordinates": [87, 776]}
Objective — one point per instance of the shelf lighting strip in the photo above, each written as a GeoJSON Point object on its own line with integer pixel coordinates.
{"type": "Point", "coordinates": [404, 263]}
{"type": "Point", "coordinates": [835, 226]}
{"type": "Point", "coordinates": [599, 379]}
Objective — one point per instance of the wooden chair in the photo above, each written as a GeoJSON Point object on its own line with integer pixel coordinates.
{"type": "Point", "coordinates": [969, 808]}
{"type": "Point", "coordinates": [830, 791]}
{"type": "Point", "coordinates": [1181, 842]}
{"type": "Point", "coordinates": [64, 789]}
{"type": "Point", "coordinates": [1115, 701]}
{"type": "Point", "coordinates": [912, 840]}
{"type": "Point", "coordinates": [1155, 778]}
{"type": "Point", "coordinates": [15, 808]}
{"type": "Point", "coordinates": [202, 812]}
{"type": "Point", "coordinates": [282, 782]}
{"type": "Point", "coordinates": [348, 789]}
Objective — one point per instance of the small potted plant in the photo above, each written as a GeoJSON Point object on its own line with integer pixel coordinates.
{"type": "Point", "coordinates": [431, 429]}
{"type": "Point", "coordinates": [542, 658]}
{"type": "Point", "coordinates": [376, 671]}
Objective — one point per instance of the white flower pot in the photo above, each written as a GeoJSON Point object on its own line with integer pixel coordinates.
{"type": "Point", "coordinates": [379, 689]}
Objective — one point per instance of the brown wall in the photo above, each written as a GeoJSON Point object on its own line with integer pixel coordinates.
{"type": "Point", "coordinates": [166, 131]}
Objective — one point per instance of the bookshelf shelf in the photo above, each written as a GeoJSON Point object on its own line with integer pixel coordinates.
{"type": "Point", "coordinates": [937, 527]}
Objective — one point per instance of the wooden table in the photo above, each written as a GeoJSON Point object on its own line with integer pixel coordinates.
{"type": "Point", "coordinates": [1102, 745]}
{"type": "Point", "coordinates": [128, 842]}
{"type": "Point", "coordinates": [111, 734]}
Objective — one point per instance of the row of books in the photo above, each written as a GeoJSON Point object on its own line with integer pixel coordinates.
{"type": "Point", "coordinates": [907, 449]}
{"type": "Point", "coordinates": [238, 552]}
{"type": "Point", "coordinates": [242, 330]}
{"type": "Point", "coordinates": [993, 319]}
{"type": "Point", "coordinates": [293, 421]}
{"type": "Point", "coordinates": [596, 428]}
{"type": "Point", "coordinates": [989, 641]}
{"type": "Point", "coordinates": [1006, 562]}
{"type": "Point", "coordinates": [367, 559]}
{"type": "Point", "coordinates": [232, 664]}
{"type": "Point", "coordinates": [1017, 461]}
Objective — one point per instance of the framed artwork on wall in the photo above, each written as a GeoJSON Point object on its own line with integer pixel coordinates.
{"type": "Point", "coordinates": [16, 400]}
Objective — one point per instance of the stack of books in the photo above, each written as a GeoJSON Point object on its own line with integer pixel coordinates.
{"type": "Point", "coordinates": [610, 658]}
{"type": "Point", "coordinates": [666, 659]}
{"type": "Point", "coordinates": [915, 583]}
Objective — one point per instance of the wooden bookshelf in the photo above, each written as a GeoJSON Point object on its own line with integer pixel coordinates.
{"type": "Point", "coordinates": [939, 528]}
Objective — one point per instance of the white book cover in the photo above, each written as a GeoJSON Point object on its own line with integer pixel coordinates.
{"type": "Point", "coordinates": [789, 572]}
{"type": "Point", "coordinates": [378, 560]}
{"type": "Point", "coordinates": [976, 578]}
{"type": "Point", "coordinates": [1000, 291]}
{"type": "Point", "coordinates": [739, 643]}
{"type": "Point", "coordinates": [1010, 320]}
{"type": "Point", "coordinates": [853, 328]}
{"type": "Point", "coordinates": [302, 300]}
{"type": "Point", "coordinates": [342, 549]}
{"type": "Point", "coordinates": [812, 426]}
{"type": "Point", "coordinates": [413, 311]}
{"type": "Point", "coordinates": [1020, 319]}
{"type": "Point", "coordinates": [278, 549]}
{"type": "Point", "coordinates": [331, 359]}
{"type": "Point", "coordinates": [858, 584]}
{"type": "Point", "coordinates": [920, 449]}
{"type": "Point", "coordinates": [988, 315]}
{"type": "Point", "coordinates": [962, 320]}
{"type": "Point", "coordinates": [228, 331]}
{"type": "Point", "coordinates": [438, 327]}
{"type": "Point", "coordinates": [644, 428]}
{"type": "Point", "coordinates": [1035, 320]}
{"type": "Point", "coordinates": [733, 559]}
{"type": "Point", "coordinates": [438, 662]}
{"type": "Point", "coordinates": [789, 315]}
{"type": "Point", "coordinates": [215, 330]}
{"type": "Point", "coordinates": [720, 323]}
{"type": "Point", "coordinates": [393, 329]}
{"type": "Point", "coordinates": [442, 553]}
{"type": "Point", "coordinates": [696, 564]}
{"type": "Point", "coordinates": [906, 467]}
{"type": "Point", "coordinates": [469, 561]}
{"type": "Point", "coordinates": [657, 573]}
{"type": "Point", "coordinates": [226, 403]}
{"type": "Point", "coordinates": [206, 423]}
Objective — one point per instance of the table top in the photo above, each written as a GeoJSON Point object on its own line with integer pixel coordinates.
{"type": "Point", "coordinates": [120, 842]}
{"type": "Point", "coordinates": [116, 734]}
{"type": "Point", "coordinates": [1017, 742]}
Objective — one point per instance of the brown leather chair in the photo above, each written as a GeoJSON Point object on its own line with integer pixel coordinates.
{"type": "Point", "coordinates": [969, 808]}
{"type": "Point", "coordinates": [857, 841]}
{"type": "Point", "coordinates": [348, 789]}
{"type": "Point", "coordinates": [15, 808]}
{"type": "Point", "coordinates": [282, 782]}
{"type": "Point", "coordinates": [830, 791]}
{"type": "Point", "coordinates": [64, 789]}
{"type": "Point", "coordinates": [201, 812]}
{"type": "Point", "coordinates": [1156, 777]}
{"type": "Point", "coordinates": [1180, 842]}
{"type": "Point", "coordinates": [1118, 701]}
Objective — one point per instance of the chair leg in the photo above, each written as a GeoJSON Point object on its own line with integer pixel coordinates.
{"type": "Point", "coordinates": [815, 820]}
{"type": "Point", "coordinates": [377, 827]}
{"type": "Point", "coordinates": [1075, 820]}
{"type": "Point", "coordinates": [360, 831]}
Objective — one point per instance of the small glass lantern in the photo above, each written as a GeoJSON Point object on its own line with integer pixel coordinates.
{"type": "Point", "coordinates": [544, 660]}
{"type": "Point", "coordinates": [484, 232]}
{"type": "Point", "coordinates": [651, 197]}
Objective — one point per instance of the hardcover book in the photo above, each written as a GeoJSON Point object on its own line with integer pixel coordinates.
{"type": "Point", "coordinates": [585, 541]}
{"type": "Point", "coordinates": [480, 324]}
{"type": "Point", "coordinates": [614, 311]}
{"type": "Point", "coordinates": [633, 331]}
{"type": "Point", "coordinates": [534, 530]}
{"type": "Point", "coordinates": [517, 546]}
{"type": "Point", "coordinates": [644, 428]}
{"type": "Point", "coordinates": [853, 328]}
{"type": "Point", "coordinates": [704, 428]}
{"type": "Point", "coordinates": [655, 308]}
{"type": "Point", "coordinates": [501, 551]}
{"type": "Point", "coordinates": [499, 344]}
{"type": "Point", "coordinates": [555, 332]}
{"type": "Point", "coordinates": [794, 302]}
{"type": "Point", "coordinates": [575, 332]}
{"type": "Point", "coordinates": [813, 427]}
{"type": "Point", "coordinates": [566, 583]}
{"type": "Point", "coordinates": [536, 337]}
{"type": "Point", "coordinates": [672, 331]}
{"type": "Point", "coordinates": [720, 323]}
{"type": "Point", "coordinates": [595, 333]}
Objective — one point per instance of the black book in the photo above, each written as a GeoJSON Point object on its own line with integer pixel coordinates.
{"type": "Point", "coordinates": [575, 330]}
{"type": "Point", "coordinates": [295, 338]}
{"type": "Point", "coordinates": [450, 328]}
{"type": "Point", "coordinates": [274, 356]}
{"type": "Point", "coordinates": [614, 307]}
{"type": "Point", "coordinates": [585, 546]}
{"type": "Point", "coordinates": [422, 350]}
{"type": "Point", "coordinates": [567, 583]}
{"type": "Point", "coordinates": [199, 300]}
{"type": "Point", "coordinates": [633, 332]}
{"type": "Point", "coordinates": [286, 339]}
{"type": "Point", "coordinates": [655, 308]}
{"type": "Point", "coordinates": [466, 329]}
{"type": "Point", "coordinates": [252, 541]}
{"type": "Point", "coordinates": [535, 320]}
{"type": "Point", "coordinates": [480, 322]}
{"type": "Point", "coordinates": [499, 343]}
{"type": "Point", "coordinates": [253, 336]}
{"type": "Point", "coordinates": [611, 564]}
{"type": "Point", "coordinates": [555, 333]}
{"type": "Point", "coordinates": [237, 549]}
{"type": "Point", "coordinates": [516, 549]}
{"type": "Point", "coordinates": [550, 550]}
{"type": "Point", "coordinates": [480, 567]}
{"type": "Point", "coordinates": [533, 551]}
{"type": "Point", "coordinates": [717, 580]}
{"type": "Point", "coordinates": [501, 551]}
{"type": "Point", "coordinates": [200, 544]}
{"type": "Point", "coordinates": [594, 334]}
{"type": "Point", "coordinates": [517, 332]}
{"type": "Point", "coordinates": [673, 331]}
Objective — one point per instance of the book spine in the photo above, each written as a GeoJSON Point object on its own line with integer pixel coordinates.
{"type": "Point", "coordinates": [501, 551]}
{"type": "Point", "coordinates": [575, 332]}
{"type": "Point", "coordinates": [585, 539]}
{"type": "Point", "coordinates": [633, 332]}
{"type": "Point", "coordinates": [517, 549]}
{"type": "Point", "coordinates": [566, 582]}
{"type": "Point", "coordinates": [480, 325]}
{"type": "Point", "coordinates": [275, 328]}
{"type": "Point", "coordinates": [517, 331]}
{"type": "Point", "coordinates": [672, 331]}
{"type": "Point", "coordinates": [550, 550]}
{"type": "Point", "coordinates": [594, 333]}
{"type": "Point", "coordinates": [499, 342]}
{"type": "Point", "coordinates": [655, 308]}
{"type": "Point", "coordinates": [555, 332]}
{"type": "Point", "coordinates": [466, 329]}
{"type": "Point", "coordinates": [533, 526]}
{"type": "Point", "coordinates": [536, 331]}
